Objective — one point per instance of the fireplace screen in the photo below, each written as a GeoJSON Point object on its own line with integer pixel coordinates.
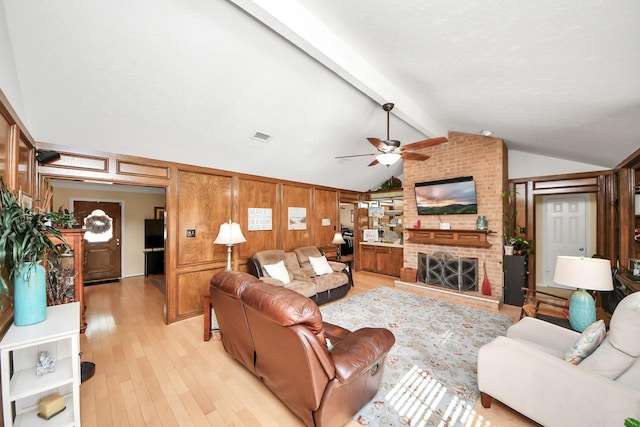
{"type": "Point", "coordinates": [451, 272]}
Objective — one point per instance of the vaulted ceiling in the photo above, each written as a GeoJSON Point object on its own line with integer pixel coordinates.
{"type": "Point", "coordinates": [192, 81]}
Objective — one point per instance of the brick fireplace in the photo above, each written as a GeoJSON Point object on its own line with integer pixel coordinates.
{"type": "Point", "coordinates": [485, 158]}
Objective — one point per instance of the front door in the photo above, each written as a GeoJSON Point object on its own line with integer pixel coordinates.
{"type": "Point", "coordinates": [102, 254]}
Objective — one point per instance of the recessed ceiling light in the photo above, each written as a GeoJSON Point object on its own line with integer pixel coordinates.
{"type": "Point", "coordinates": [344, 161]}
{"type": "Point", "coordinates": [262, 137]}
{"type": "Point", "coordinates": [486, 132]}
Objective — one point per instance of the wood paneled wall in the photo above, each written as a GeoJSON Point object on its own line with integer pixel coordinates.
{"type": "Point", "coordinates": [599, 182]}
{"type": "Point", "coordinates": [201, 199]}
{"type": "Point", "coordinates": [17, 168]}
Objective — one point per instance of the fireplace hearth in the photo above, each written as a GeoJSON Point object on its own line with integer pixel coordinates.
{"type": "Point", "coordinates": [448, 271]}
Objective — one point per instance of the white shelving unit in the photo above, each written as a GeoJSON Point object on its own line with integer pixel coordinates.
{"type": "Point", "coordinates": [22, 389]}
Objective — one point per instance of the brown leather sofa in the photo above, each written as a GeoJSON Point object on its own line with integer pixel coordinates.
{"type": "Point", "coordinates": [278, 334]}
{"type": "Point", "coordinates": [302, 278]}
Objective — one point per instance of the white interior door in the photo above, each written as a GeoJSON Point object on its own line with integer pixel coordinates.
{"type": "Point", "coordinates": [566, 229]}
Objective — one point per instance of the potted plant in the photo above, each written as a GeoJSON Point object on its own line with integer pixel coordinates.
{"type": "Point", "coordinates": [513, 244]}
{"type": "Point", "coordinates": [25, 241]}
{"type": "Point", "coordinates": [509, 215]}
{"type": "Point", "coordinates": [520, 246]}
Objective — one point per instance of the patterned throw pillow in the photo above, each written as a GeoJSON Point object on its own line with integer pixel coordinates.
{"type": "Point", "coordinates": [278, 271]}
{"type": "Point", "coordinates": [588, 341]}
{"type": "Point", "coordinates": [320, 265]}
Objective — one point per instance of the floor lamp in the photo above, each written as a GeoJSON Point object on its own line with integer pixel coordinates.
{"type": "Point", "coordinates": [338, 240]}
{"type": "Point", "coordinates": [585, 274]}
{"type": "Point", "coordinates": [230, 234]}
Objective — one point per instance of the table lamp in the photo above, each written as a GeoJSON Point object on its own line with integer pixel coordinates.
{"type": "Point", "coordinates": [585, 274]}
{"type": "Point", "coordinates": [338, 240]}
{"type": "Point", "coordinates": [229, 235]}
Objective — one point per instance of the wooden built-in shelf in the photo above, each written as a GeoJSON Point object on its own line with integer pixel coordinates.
{"type": "Point", "coordinates": [436, 236]}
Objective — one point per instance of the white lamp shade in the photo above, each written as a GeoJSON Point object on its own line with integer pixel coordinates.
{"type": "Point", "coordinates": [388, 159]}
{"type": "Point", "coordinates": [229, 234]}
{"type": "Point", "coordinates": [338, 239]}
{"type": "Point", "coordinates": [584, 273]}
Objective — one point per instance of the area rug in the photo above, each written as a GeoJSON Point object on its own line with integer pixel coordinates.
{"type": "Point", "coordinates": [429, 376]}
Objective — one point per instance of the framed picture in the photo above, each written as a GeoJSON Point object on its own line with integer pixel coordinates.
{"type": "Point", "coordinates": [26, 201]}
{"type": "Point", "coordinates": [370, 235]}
{"type": "Point", "coordinates": [158, 212]}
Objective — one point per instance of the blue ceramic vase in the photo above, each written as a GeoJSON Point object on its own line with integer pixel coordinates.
{"type": "Point", "coordinates": [30, 295]}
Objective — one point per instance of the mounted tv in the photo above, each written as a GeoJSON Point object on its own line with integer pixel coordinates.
{"type": "Point", "coordinates": [153, 233]}
{"type": "Point", "coordinates": [447, 196]}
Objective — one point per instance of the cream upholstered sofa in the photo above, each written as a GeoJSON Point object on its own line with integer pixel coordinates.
{"type": "Point", "coordinates": [527, 371]}
{"type": "Point", "coordinates": [294, 270]}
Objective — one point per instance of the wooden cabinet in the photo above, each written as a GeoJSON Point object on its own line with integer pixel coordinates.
{"type": "Point", "coordinates": [22, 389]}
{"type": "Point", "coordinates": [368, 258]}
{"type": "Point", "coordinates": [515, 278]}
{"type": "Point", "coordinates": [75, 239]}
{"type": "Point", "coordinates": [381, 259]}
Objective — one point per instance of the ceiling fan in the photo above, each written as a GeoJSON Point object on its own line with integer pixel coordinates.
{"type": "Point", "coordinates": [390, 150]}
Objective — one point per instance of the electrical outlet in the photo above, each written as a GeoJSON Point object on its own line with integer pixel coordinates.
{"type": "Point", "coordinates": [522, 230]}
{"type": "Point", "coordinates": [191, 233]}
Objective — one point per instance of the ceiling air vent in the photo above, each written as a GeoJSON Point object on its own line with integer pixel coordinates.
{"type": "Point", "coordinates": [262, 137]}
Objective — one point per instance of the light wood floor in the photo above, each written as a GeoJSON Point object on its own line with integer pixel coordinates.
{"type": "Point", "coordinates": [151, 374]}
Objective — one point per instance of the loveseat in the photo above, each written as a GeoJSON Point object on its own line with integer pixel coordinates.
{"type": "Point", "coordinates": [322, 372]}
{"type": "Point", "coordinates": [537, 370]}
{"type": "Point", "coordinates": [304, 270]}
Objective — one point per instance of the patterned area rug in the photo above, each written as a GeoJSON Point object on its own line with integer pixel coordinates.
{"type": "Point", "coordinates": [430, 373]}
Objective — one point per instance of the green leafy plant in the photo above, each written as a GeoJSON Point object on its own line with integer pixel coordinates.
{"type": "Point", "coordinates": [510, 227]}
{"type": "Point", "coordinates": [509, 216]}
{"type": "Point", "coordinates": [521, 246]}
{"type": "Point", "coordinates": [25, 236]}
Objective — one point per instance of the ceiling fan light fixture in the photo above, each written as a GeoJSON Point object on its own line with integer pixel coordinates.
{"type": "Point", "coordinates": [388, 159]}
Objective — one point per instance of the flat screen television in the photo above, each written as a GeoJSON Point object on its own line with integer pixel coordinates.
{"type": "Point", "coordinates": [447, 196]}
{"type": "Point", "coordinates": [153, 233]}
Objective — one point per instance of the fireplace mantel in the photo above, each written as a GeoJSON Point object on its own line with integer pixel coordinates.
{"type": "Point", "coordinates": [436, 236]}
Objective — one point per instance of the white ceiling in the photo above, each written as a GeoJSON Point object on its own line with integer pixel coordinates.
{"type": "Point", "coordinates": [192, 80]}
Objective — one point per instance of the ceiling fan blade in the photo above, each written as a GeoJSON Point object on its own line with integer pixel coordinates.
{"type": "Point", "coordinates": [426, 143]}
{"type": "Point", "coordinates": [378, 143]}
{"type": "Point", "coordinates": [375, 162]}
{"type": "Point", "coordinates": [355, 155]}
{"type": "Point", "coordinates": [410, 155]}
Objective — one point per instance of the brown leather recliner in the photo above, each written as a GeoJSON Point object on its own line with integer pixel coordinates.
{"type": "Point", "coordinates": [290, 353]}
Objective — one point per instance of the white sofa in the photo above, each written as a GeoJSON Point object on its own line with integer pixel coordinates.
{"type": "Point", "coordinates": [526, 371]}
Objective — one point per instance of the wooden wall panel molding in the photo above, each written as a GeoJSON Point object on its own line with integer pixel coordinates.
{"type": "Point", "coordinates": [294, 196]}
{"type": "Point", "coordinates": [326, 207]}
{"type": "Point", "coordinates": [204, 202]}
{"type": "Point", "coordinates": [25, 172]}
{"type": "Point", "coordinates": [5, 145]}
{"type": "Point", "coordinates": [190, 287]}
{"type": "Point", "coordinates": [254, 194]}
{"type": "Point", "coordinates": [79, 162]}
{"type": "Point", "coordinates": [141, 169]}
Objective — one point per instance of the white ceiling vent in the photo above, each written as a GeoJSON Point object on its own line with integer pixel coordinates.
{"type": "Point", "coordinates": [262, 137]}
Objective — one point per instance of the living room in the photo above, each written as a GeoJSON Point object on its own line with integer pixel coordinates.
{"type": "Point", "coordinates": [177, 139]}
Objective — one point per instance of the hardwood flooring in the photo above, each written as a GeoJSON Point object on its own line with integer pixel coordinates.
{"type": "Point", "coordinates": [151, 374]}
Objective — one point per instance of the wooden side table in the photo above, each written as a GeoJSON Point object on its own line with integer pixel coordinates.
{"type": "Point", "coordinates": [345, 259]}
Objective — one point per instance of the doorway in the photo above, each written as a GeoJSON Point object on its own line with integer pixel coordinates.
{"type": "Point", "coordinates": [102, 246]}
{"type": "Point", "coordinates": [565, 225]}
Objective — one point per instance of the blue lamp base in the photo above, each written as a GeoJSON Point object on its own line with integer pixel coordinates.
{"type": "Point", "coordinates": [582, 310]}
